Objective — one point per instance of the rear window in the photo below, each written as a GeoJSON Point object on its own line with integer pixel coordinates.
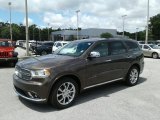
{"type": "Point", "coordinates": [132, 46]}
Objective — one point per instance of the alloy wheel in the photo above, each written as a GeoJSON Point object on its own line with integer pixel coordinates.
{"type": "Point", "coordinates": [133, 76]}
{"type": "Point", "coordinates": [66, 93]}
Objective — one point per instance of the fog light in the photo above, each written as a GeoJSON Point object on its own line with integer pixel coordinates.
{"type": "Point", "coordinates": [32, 95]}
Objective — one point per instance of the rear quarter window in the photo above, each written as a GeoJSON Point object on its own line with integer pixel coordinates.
{"type": "Point", "coordinates": [132, 46]}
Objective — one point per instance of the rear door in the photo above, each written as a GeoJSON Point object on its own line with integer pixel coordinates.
{"type": "Point", "coordinates": [119, 59]}
{"type": "Point", "coordinates": [147, 50]}
{"type": "Point", "coordinates": [109, 66]}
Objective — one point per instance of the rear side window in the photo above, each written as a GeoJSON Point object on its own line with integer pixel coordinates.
{"type": "Point", "coordinates": [116, 48]}
{"type": "Point", "coordinates": [132, 46]}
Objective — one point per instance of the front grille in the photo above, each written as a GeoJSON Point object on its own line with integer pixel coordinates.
{"type": "Point", "coordinates": [23, 73]}
{"type": "Point", "coordinates": [4, 54]}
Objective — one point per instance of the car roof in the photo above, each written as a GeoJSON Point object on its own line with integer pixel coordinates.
{"type": "Point", "coordinates": [62, 41]}
{"type": "Point", "coordinates": [103, 39]}
{"type": "Point", "coordinates": [5, 40]}
{"type": "Point", "coordinates": [146, 44]}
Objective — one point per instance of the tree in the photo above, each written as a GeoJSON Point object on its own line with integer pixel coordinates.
{"type": "Point", "coordinates": [154, 27]}
{"type": "Point", "coordinates": [106, 35]}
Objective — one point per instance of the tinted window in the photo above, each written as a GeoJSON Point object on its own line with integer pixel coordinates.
{"type": "Point", "coordinates": [102, 48]}
{"type": "Point", "coordinates": [146, 47]}
{"type": "Point", "coordinates": [64, 44]}
{"type": "Point", "coordinates": [58, 45]}
{"type": "Point", "coordinates": [132, 46]}
{"type": "Point", "coordinates": [116, 48]}
{"type": "Point", "coordinates": [5, 44]}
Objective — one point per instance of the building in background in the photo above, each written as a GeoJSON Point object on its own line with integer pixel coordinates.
{"type": "Point", "coordinates": [68, 35]}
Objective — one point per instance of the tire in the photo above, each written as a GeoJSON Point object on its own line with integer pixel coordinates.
{"type": "Point", "coordinates": [64, 93]}
{"type": "Point", "coordinates": [43, 53]}
{"type": "Point", "coordinates": [12, 64]}
{"type": "Point", "coordinates": [132, 76]}
{"type": "Point", "coordinates": [154, 55]}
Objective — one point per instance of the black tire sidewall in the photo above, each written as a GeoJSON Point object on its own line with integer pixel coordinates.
{"type": "Point", "coordinates": [153, 55]}
{"type": "Point", "coordinates": [42, 53]}
{"type": "Point", "coordinates": [53, 96]}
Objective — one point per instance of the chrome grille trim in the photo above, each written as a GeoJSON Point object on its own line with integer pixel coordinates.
{"type": "Point", "coordinates": [4, 54]}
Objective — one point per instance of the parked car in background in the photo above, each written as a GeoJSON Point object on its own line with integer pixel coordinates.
{"type": "Point", "coordinates": [7, 53]}
{"type": "Point", "coordinates": [20, 43]}
{"type": "Point", "coordinates": [42, 48]}
{"type": "Point", "coordinates": [34, 45]}
{"type": "Point", "coordinates": [141, 42]}
{"type": "Point", "coordinates": [59, 44]}
{"type": "Point", "coordinates": [58, 78]}
{"type": "Point", "coordinates": [151, 50]}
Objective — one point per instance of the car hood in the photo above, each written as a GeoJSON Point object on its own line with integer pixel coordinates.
{"type": "Point", "coordinates": [6, 49]}
{"type": "Point", "coordinates": [47, 61]}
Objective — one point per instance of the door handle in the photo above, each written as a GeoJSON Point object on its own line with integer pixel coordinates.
{"type": "Point", "coordinates": [109, 60]}
{"type": "Point", "coordinates": [129, 56]}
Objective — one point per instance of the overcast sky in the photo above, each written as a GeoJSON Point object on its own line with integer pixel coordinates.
{"type": "Point", "coordinates": [93, 13]}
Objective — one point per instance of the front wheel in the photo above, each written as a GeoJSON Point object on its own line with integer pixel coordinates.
{"type": "Point", "coordinates": [132, 76]}
{"type": "Point", "coordinates": [64, 93]}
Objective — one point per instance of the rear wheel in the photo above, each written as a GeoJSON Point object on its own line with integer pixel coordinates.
{"type": "Point", "coordinates": [155, 55]}
{"type": "Point", "coordinates": [132, 76]}
{"type": "Point", "coordinates": [64, 93]}
{"type": "Point", "coordinates": [43, 53]}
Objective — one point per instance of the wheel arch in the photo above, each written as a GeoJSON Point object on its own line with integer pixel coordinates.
{"type": "Point", "coordinates": [74, 77]}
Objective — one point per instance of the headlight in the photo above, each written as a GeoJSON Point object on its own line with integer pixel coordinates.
{"type": "Point", "coordinates": [40, 73]}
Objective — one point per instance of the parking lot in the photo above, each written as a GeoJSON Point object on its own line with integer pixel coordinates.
{"type": "Point", "coordinates": [113, 101]}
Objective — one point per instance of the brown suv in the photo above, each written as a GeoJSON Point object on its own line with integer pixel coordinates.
{"type": "Point", "coordinates": [82, 64]}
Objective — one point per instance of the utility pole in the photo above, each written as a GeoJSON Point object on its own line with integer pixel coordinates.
{"type": "Point", "coordinates": [77, 23]}
{"type": "Point", "coordinates": [123, 18]}
{"type": "Point", "coordinates": [26, 11]}
{"type": "Point", "coordinates": [9, 3]}
{"type": "Point", "coordinates": [146, 40]}
{"type": "Point", "coordinates": [136, 37]}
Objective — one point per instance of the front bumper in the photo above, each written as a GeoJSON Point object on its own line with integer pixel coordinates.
{"type": "Point", "coordinates": [32, 90]}
{"type": "Point", "coordinates": [13, 59]}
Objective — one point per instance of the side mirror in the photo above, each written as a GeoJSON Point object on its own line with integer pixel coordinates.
{"type": "Point", "coordinates": [94, 54]}
{"type": "Point", "coordinates": [149, 48]}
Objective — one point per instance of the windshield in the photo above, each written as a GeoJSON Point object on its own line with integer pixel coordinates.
{"type": "Point", "coordinates": [5, 44]}
{"type": "Point", "coordinates": [154, 47]}
{"type": "Point", "coordinates": [74, 49]}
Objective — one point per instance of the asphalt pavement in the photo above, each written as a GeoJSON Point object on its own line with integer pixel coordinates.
{"type": "Point", "coordinates": [113, 101]}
